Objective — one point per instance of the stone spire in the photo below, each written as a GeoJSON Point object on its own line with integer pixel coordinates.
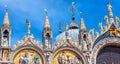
{"type": "Point", "coordinates": [46, 22]}
{"type": "Point", "coordinates": [6, 19]}
{"type": "Point", "coordinates": [83, 35]}
{"type": "Point", "coordinates": [82, 24]}
{"type": "Point", "coordinates": [73, 24]}
{"type": "Point", "coordinates": [47, 34]}
{"type": "Point", "coordinates": [110, 13]}
{"type": "Point", "coordinates": [6, 30]}
{"type": "Point", "coordinates": [46, 27]}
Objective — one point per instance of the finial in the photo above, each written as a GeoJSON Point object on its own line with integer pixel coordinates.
{"type": "Point", "coordinates": [60, 29]}
{"type": "Point", "coordinates": [28, 27]}
{"type": "Point", "coordinates": [46, 22]}
{"type": "Point", "coordinates": [109, 7]}
{"type": "Point", "coordinates": [73, 24]}
{"type": "Point", "coordinates": [46, 12]}
{"type": "Point", "coordinates": [73, 8]}
{"type": "Point", "coordinates": [6, 7]}
{"type": "Point", "coordinates": [67, 27]}
{"type": "Point", "coordinates": [81, 15]}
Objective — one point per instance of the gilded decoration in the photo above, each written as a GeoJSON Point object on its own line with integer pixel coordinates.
{"type": "Point", "coordinates": [67, 57]}
{"type": "Point", "coordinates": [28, 56]}
{"type": "Point", "coordinates": [5, 54]}
{"type": "Point", "coordinates": [114, 31]}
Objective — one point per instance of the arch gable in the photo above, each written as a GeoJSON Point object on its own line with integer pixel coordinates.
{"type": "Point", "coordinates": [67, 43]}
{"type": "Point", "coordinates": [111, 32]}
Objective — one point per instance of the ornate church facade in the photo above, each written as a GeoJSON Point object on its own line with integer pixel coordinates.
{"type": "Point", "coordinates": [73, 46]}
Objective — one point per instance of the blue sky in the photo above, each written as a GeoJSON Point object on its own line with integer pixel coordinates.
{"type": "Point", "coordinates": [58, 11]}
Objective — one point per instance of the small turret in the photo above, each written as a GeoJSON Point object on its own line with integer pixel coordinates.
{"type": "Point", "coordinates": [83, 35]}
{"type": "Point", "coordinates": [5, 38]}
{"type": "Point", "coordinates": [47, 34]}
{"type": "Point", "coordinates": [6, 30]}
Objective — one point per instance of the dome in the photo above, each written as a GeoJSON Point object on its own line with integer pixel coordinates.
{"type": "Point", "coordinates": [72, 33]}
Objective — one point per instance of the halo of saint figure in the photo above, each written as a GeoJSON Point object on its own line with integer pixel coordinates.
{"type": "Point", "coordinates": [67, 57]}
{"type": "Point", "coordinates": [28, 57]}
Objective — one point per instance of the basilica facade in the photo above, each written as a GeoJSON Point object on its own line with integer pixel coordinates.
{"type": "Point", "coordinates": [73, 46]}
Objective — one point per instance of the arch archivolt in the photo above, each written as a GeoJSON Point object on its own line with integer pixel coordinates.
{"type": "Point", "coordinates": [101, 44]}
{"type": "Point", "coordinates": [36, 52]}
{"type": "Point", "coordinates": [67, 49]}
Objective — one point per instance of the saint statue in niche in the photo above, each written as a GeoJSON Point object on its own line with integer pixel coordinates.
{"type": "Point", "coordinates": [5, 42]}
{"type": "Point", "coordinates": [5, 55]}
{"type": "Point", "coordinates": [47, 44]}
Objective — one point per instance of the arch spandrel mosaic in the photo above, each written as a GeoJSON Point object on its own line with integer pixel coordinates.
{"type": "Point", "coordinates": [67, 57]}
{"type": "Point", "coordinates": [28, 56]}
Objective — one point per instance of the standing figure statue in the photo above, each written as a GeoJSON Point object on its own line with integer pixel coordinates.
{"type": "Point", "coordinates": [5, 42]}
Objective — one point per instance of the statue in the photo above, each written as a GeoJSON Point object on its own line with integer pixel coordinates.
{"type": "Point", "coordinates": [101, 27]}
{"type": "Point", "coordinates": [85, 42]}
{"type": "Point", "coordinates": [15, 46]}
{"type": "Point", "coordinates": [5, 42]}
{"type": "Point", "coordinates": [5, 55]}
{"type": "Point", "coordinates": [85, 45]}
{"type": "Point", "coordinates": [107, 23]}
{"type": "Point", "coordinates": [25, 38]}
{"type": "Point", "coordinates": [47, 44]}
{"type": "Point", "coordinates": [31, 37]}
{"type": "Point", "coordinates": [105, 28]}
{"type": "Point", "coordinates": [117, 20]}
{"type": "Point", "coordinates": [109, 7]}
{"type": "Point", "coordinates": [92, 31]}
{"type": "Point", "coordinates": [97, 34]}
